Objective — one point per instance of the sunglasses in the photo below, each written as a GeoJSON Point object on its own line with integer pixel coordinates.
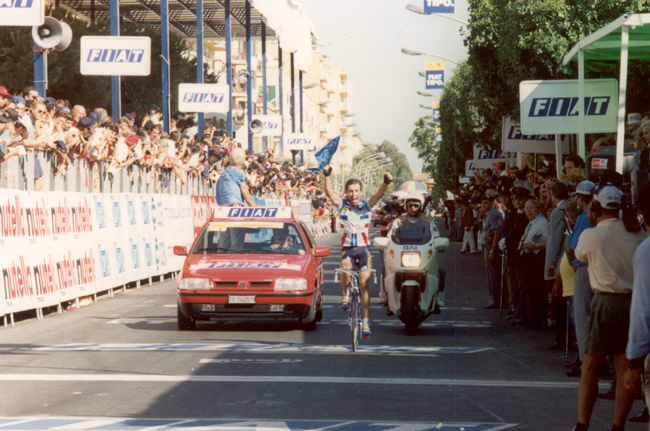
{"type": "Point", "coordinates": [413, 204]}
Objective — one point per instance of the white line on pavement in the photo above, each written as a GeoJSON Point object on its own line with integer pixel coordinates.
{"type": "Point", "coordinates": [163, 378]}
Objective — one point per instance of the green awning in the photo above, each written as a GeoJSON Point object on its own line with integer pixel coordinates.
{"type": "Point", "coordinates": [604, 45]}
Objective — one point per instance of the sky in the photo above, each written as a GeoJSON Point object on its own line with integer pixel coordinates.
{"type": "Point", "coordinates": [365, 38]}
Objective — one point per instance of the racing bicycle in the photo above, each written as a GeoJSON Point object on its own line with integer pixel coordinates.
{"type": "Point", "coordinates": [355, 317]}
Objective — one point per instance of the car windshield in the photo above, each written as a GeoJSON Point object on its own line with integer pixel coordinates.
{"type": "Point", "coordinates": [250, 238]}
{"type": "Point", "coordinates": [408, 233]}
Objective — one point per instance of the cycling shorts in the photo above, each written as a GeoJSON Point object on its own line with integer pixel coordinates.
{"type": "Point", "coordinates": [359, 256]}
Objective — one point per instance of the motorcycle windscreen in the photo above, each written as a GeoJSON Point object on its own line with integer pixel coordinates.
{"type": "Point", "coordinates": [409, 233]}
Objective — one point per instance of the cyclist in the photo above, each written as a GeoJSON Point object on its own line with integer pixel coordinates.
{"type": "Point", "coordinates": [354, 220]}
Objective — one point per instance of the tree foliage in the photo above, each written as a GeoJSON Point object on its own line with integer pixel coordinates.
{"type": "Point", "coordinates": [66, 80]}
{"type": "Point", "coordinates": [510, 41]}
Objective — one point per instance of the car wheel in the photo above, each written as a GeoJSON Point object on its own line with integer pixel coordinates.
{"type": "Point", "coordinates": [308, 323]}
{"type": "Point", "coordinates": [185, 323]}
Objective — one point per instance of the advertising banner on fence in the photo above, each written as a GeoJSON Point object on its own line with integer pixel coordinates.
{"type": "Point", "coordinates": [58, 246]}
{"type": "Point", "coordinates": [115, 55]}
{"type": "Point", "coordinates": [203, 98]}
{"type": "Point", "coordinates": [22, 12]}
{"type": "Point", "coordinates": [513, 140]}
{"type": "Point", "coordinates": [439, 6]}
{"type": "Point", "coordinates": [552, 106]}
{"type": "Point", "coordinates": [434, 74]}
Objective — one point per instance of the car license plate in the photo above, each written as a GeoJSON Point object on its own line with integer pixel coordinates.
{"type": "Point", "coordinates": [208, 307]}
{"type": "Point", "coordinates": [241, 299]}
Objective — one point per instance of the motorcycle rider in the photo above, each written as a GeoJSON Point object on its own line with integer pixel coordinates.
{"type": "Point", "coordinates": [416, 219]}
{"type": "Point", "coordinates": [354, 216]}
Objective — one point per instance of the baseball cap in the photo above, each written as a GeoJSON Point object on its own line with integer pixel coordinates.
{"type": "Point", "coordinates": [18, 100]}
{"type": "Point", "coordinates": [500, 165]}
{"type": "Point", "coordinates": [50, 101]}
{"type": "Point", "coordinates": [85, 123]}
{"type": "Point", "coordinates": [132, 140]}
{"type": "Point", "coordinates": [129, 116]}
{"type": "Point", "coordinates": [585, 188]}
{"type": "Point", "coordinates": [96, 116]}
{"type": "Point", "coordinates": [9, 116]}
{"type": "Point", "coordinates": [609, 197]}
{"type": "Point", "coordinates": [4, 92]}
{"type": "Point", "coordinates": [60, 145]}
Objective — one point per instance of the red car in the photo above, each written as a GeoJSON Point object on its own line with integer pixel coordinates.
{"type": "Point", "coordinates": [256, 262]}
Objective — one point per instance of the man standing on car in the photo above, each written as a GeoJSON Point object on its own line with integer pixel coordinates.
{"type": "Point", "coordinates": [354, 216]}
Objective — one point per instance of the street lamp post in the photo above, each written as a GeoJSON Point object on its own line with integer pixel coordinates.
{"type": "Point", "coordinates": [358, 168]}
{"type": "Point", "coordinates": [371, 170]}
{"type": "Point", "coordinates": [417, 9]}
{"type": "Point", "coordinates": [412, 52]}
{"type": "Point", "coordinates": [374, 165]}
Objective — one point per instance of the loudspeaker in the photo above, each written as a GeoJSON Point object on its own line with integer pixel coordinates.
{"type": "Point", "coordinates": [256, 126]}
{"type": "Point", "coordinates": [52, 34]}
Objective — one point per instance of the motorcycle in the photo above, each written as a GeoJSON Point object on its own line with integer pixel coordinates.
{"type": "Point", "coordinates": [413, 281]}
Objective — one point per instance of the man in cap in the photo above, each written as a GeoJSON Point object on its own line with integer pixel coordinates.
{"type": "Point", "coordinates": [491, 236]}
{"type": "Point", "coordinates": [500, 168]}
{"type": "Point", "coordinates": [5, 96]}
{"type": "Point", "coordinates": [514, 228]}
{"type": "Point", "coordinates": [609, 249]}
{"type": "Point", "coordinates": [582, 292]}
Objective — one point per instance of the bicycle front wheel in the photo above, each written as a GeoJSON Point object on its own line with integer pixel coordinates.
{"type": "Point", "coordinates": [354, 311]}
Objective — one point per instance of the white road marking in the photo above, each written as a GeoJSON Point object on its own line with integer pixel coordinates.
{"type": "Point", "coordinates": [263, 348]}
{"type": "Point", "coordinates": [249, 361]}
{"type": "Point", "coordinates": [85, 425]}
{"type": "Point", "coordinates": [164, 378]}
{"type": "Point", "coordinates": [138, 424]}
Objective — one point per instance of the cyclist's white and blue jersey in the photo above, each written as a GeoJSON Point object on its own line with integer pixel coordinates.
{"type": "Point", "coordinates": [355, 222]}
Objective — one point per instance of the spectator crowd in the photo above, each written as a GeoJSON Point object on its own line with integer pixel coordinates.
{"type": "Point", "coordinates": [70, 133]}
{"type": "Point", "coordinates": [559, 253]}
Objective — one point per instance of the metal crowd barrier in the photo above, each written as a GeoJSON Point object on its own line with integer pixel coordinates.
{"type": "Point", "coordinates": [83, 176]}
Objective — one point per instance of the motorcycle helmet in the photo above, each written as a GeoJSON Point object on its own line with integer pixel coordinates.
{"type": "Point", "coordinates": [412, 196]}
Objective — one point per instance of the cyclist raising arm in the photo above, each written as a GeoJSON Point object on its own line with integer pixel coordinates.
{"type": "Point", "coordinates": [354, 217]}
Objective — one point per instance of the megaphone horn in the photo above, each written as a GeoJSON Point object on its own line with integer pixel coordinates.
{"type": "Point", "coordinates": [52, 34]}
{"type": "Point", "coordinates": [256, 126]}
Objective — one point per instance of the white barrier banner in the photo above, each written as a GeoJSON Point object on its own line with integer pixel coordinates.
{"type": "Point", "coordinates": [58, 246]}
{"type": "Point", "coordinates": [512, 139]}
{"type": "Point", "coordinates": [115, 55]}
{"type": "Point", "coordinates": [551, 106]}
{"type": "Point", "coordinates": [301, 209]}
{"type": "Point", "coordinates": [22, 12]}
{"type": "Point", "coordinates": [204, 98]}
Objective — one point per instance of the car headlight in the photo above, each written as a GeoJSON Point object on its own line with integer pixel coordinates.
{"type": "Point", "coordinates": [194, 284]}
{"type": "Point", "coordinates": [411, 259]}
{"type": "Point", "coordinates": [291, 284]}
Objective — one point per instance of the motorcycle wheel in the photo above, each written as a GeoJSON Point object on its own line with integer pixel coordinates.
{"type": "Point", "coordinates": [410, 309]}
